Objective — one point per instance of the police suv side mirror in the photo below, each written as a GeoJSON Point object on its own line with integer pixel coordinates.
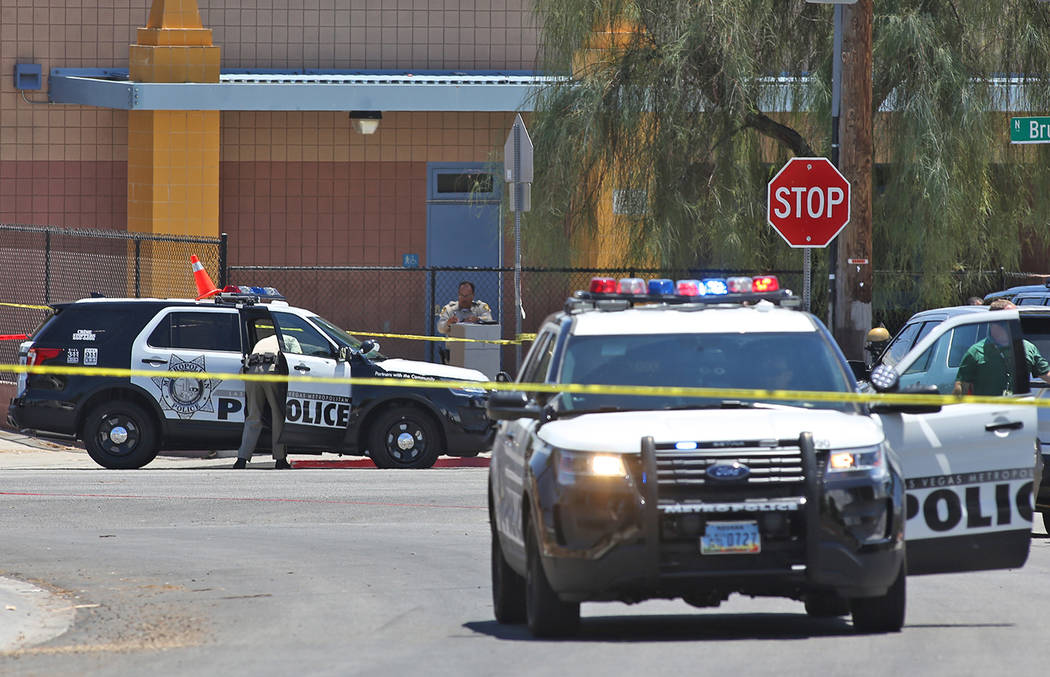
{"type": "Point", "coordinates": [507, 406]}
{"type": "Point", "coordinates": [369, 348]}
{"type": "Point", "coordinates": [503, 377]}
{"type": "Point", "coordinates": [344, 354]}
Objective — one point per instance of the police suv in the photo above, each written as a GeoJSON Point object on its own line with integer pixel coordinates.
{"type": "Point", "coordinates": [623, 497]}
{"type": "Point", "coordinates": [125, 421]}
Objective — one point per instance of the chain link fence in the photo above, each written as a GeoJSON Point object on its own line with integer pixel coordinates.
{"type": "Point", "coordinates": [44, 265]}
{"type": "Point", "coordinates": [394, 300]}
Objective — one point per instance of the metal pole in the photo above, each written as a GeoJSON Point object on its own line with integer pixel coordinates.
{"type": "Point", "coordinates": [431, 329]}
{"type": "Point", "coordinates": [222, 260]}
{"type": "Point", "coordinates": [836, 101]}
{"type": "Point", "coordinates": [807, 277]}
{"type": "Point", "coordinates": [519, 195]}
{"type": "Point", "coordinates": [47, 268]}
{"type": "Point", "coordinates": [138, 268]}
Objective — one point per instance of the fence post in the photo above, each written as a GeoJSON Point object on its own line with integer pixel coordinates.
{"type": "Point", "coordinates": [1002, 277]}
{"type": "Point", "coordinates": [431, 329]}
{"type": "Point", "coordinates": [47, 268]}
{"type": "Point", "coordinates": [222, 260]}
{"type": "Point", "coordinates": [138, 269]}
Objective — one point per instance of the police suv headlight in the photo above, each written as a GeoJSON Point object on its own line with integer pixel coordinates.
{"type": "Point", "coordinates": [871, 459]}
{"type": "Point", "coordinates": [580, 464]}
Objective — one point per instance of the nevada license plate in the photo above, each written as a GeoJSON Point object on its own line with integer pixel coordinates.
{"type": "Point", "coordinates": [731, 538]}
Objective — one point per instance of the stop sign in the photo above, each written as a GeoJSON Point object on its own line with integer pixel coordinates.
{"type": "Point", "coordinates": [807, 202]}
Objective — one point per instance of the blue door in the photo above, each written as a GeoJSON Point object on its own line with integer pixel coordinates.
{"type": "Point", "coordinates": [463, 231]}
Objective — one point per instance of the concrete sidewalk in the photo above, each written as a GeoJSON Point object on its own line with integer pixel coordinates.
{"type": "Point", "coordinates": [27, 452]}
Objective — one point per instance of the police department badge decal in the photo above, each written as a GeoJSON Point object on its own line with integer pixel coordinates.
{"type": "Point", "coordinates": [186, 396]}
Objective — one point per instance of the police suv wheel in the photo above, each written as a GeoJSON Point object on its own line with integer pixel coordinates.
{"type": "Point", "coordinates": [404, 437]}
{"type": "Point", "coordinates": [508, 586]}
{"type": "Point", "coordinates": [120, 435]}
{"type": "Point", "coordinates": [547, 614]}
{"type": "Point", "coordinates": [882, 614]}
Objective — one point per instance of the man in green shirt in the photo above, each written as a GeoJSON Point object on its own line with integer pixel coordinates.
{"type": "Point", "coordinates": [988, 366]}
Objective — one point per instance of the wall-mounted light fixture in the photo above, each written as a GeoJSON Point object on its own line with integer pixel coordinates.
{"type": "Point", "coordinates": [366, 121]}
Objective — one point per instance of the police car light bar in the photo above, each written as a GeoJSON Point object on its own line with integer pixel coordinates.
{"type": "Point", "coordinates": [247, 293]}
{"type": "Point", "coordinates": [737, 289]}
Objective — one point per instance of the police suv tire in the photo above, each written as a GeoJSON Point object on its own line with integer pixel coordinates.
{"type": "Point", "coordinates": [508, 587]}
{"type": "Point", "coordinates": [120, 435]}
{"type": "Point", "coordinates": [388, 446]}
{"type": "Point", "coordinates": [882, 614]}
{"type": "Point", "coordinates": [547, 614]}
{"type": "Point", "coordinates": [826, 604]}
{"type": "Point", "coordinates": [1046, 521]}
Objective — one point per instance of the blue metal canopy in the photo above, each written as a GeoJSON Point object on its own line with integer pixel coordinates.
{"type": "Point", "coordinates": [309, 90]}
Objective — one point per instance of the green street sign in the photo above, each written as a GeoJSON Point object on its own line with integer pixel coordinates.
{"type": "Point", "coordinates": [1030, 130]}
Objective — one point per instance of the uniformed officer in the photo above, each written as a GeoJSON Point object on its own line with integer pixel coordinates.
{"type": "Point", "coordinates": [264, 360]}
{"type": "Point", "coordinates": [464, 309]}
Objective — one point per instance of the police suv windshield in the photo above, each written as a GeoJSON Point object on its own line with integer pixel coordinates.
{"type": "Point", "coordinates": [340, 337]}
{"type": "Point", "coordinates": [766, 361]}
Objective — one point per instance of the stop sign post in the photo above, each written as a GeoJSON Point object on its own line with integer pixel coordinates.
{"type": "Point", "coordinates": [808, 204]}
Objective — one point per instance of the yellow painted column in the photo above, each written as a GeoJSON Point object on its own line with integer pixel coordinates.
{"type": "Point", "coordinates": [173, 156]}
{"type": "Point", "coordinates": [608, 246]}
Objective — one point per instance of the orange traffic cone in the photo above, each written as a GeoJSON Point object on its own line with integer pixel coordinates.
{"type": "Point", "coordinates": [205, 287]}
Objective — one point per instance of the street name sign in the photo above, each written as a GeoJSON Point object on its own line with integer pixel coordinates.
{"type": "Point", "coordinates": [1030, 130]}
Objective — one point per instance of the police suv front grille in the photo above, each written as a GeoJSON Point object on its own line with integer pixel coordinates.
{"type": "Point", "coordinates": [773, 472]}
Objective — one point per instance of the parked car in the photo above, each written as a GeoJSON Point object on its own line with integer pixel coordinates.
{"type": "Point", "coordinates": [125, 421]}
{"type": "Point", "coordinates": [1024, 295]}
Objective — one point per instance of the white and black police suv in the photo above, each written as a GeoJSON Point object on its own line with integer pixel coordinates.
{"type": "Point", "coordinates": [611, 497]}
{"type": "Point", "coordinates": [125, 421]}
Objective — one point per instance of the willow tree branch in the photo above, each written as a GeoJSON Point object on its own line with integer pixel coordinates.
{"type": "Point", "coordinates": [783, 134]}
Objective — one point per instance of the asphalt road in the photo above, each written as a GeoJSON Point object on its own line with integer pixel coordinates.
{"type": "Point", "coordinates": [197, 570]}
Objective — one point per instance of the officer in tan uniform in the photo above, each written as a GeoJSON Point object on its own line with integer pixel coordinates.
{"type": "Point", "coordinates": [463, 309]}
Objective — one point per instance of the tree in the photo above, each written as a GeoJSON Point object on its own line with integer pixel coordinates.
{"type": "Point", "coordinates": [703, 100]}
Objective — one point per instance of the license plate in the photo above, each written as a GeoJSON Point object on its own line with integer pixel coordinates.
{"type": "Point", "coordinates": [731, 538]}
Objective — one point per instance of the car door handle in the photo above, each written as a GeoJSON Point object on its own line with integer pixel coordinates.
{"type": "Point", "coordinates": [302, 367]}
{"type": "Point", "coordinates": [1009, 425]}
{"type": "Point", "coordinates": [154, 361]}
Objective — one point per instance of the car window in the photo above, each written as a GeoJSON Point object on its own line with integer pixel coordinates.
{"type": "Point", "coordinates": [310, 341]}
{"type": "Point", "coordinates": [960, 340]}
{"type": "Point", "coordinates": [987, 358]}
{"type": "Point", "coordinates": [1036, 328]}
{"type": "Point", "coordinates": [927, 327]}
{"type": "Point", "coordinates": [766, 361]}
{"type": "Point", "coordinates": [1030, 301]}
{"type": "Point", "coordinates": [90, 325]}
{"type": "Point", "coordinates": [535, 369]}
{"type": "Point", "coordinates": [901, 344]}
{"type": "Point", "coordinates": [188, 330]}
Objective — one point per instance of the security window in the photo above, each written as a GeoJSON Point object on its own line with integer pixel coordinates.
{"type": "Point", "coordinates": [198, 331]}
{"type": "Point", "coordinates": [471, 182]}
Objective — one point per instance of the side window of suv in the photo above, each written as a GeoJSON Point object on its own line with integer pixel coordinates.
{"type": "Point", "coordinates": [198, 331]}
{"type": "Point", "coordinates": [535, 369]}
{"type": "Point", "coordinates": [300, 337]}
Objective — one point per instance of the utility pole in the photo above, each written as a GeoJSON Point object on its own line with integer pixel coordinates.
{"type": "Point", "coordinates": [853, 281]}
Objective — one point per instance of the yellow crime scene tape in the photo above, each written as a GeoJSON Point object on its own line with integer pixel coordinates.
{"type": "Point", "coordinates": [521, 338]}
{"type": "Point", "coordinates": [24, 305]}
{"type": "Point", "coordinates": [589, 389]}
